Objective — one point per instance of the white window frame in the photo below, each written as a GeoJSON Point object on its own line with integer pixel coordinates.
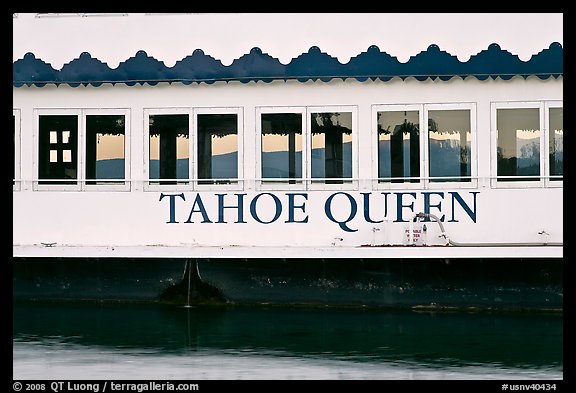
{"type": "Point", "coordinates": [319, 183]}
{"type": "Point", "coordinates": [495, 182]}
{"type": "Point", "coordinates": [473, 183]}
{"type": "Point", "coordinates": [127, 178]}
{"type": "Point", "coordinates": [425, 179]}
{"type": "Point", "coordinates": [193, 149]}
{"type": "Point", "coordinates": [36, 162]}
{"type": "Point", "coordinates": [17, 180]}
{"type": "Point", "coordinates": [406, 184]}
{"type": "Point", "coordinates": [238, 183]}
{"type": "Point", "coordinates": [81, 164]}
{"type": "Point", "coordinates": [547, 181]}
{"type": "Point", "coordinates": [191, 167]}
{"type": "Point", "coordinates": [264, 184]}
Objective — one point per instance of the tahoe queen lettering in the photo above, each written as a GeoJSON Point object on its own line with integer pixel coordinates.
{"type": "Point", "coordinates": [340, 208]}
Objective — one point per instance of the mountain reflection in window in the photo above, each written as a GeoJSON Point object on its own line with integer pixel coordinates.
{"type": "Point", "coordinates": [449, 145]}
{"type": "Point", "coordinates": [398, 146]}
{"type": "Point", "coordinates": [282, 146]}
{"type": "Point", "coordinates": [105, 148]}
{"type": "Point", "coordinates": [518, 144]}
{"type": "Point", "coordinates": [331, 146]}
{"type": "Point", "coordinates": [217, 148]}
{"type": "Point", "coordinates": [169, 148]}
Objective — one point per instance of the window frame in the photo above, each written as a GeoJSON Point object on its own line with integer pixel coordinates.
{"type": "Point", "coordinates": [187, 184]}
{"type": "Point", "coordinates": [37, 186]}
{"type": "Point", "coordinates": [83, 141]}
{"type": "Point", "coordinates": [548, 183]}
{"type": "Point", "coordinates": [425, 181]}
{"type": "Point", "coordinates": [495, 181]}
{"type": "Point", "coordinates": [80, 185]}
{"type": "Point", "coordinates": [263, 184]}
{"type": "Point", "coordinates": [191, 183]}
{"type": "Point", "coordinates": [351, 183]}
{"type": "Point", "coordinates": [236, 183]}
{"type": "Point", "coordinates": [473, 183]}
{"type": "Point", "coordinates": [406, 184]}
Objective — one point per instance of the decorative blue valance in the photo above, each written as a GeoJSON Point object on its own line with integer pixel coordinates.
{"type": "Point", "coordinates": [373, 64]}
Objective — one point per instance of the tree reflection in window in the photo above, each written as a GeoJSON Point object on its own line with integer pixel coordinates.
{"type": "Point", "coordinates": [518, 144]}
{"type": "Point", "coordinates": [169, 148]}
{"type": "Point", "coordinates": [331, 146]}
{"type": "Point", "coordinates": [282, 146]}
{"type": "Point", "coordinates": [556, 143]}
{"type": "Point", "coordinates": [105, 148]}
{"type": "Point", "coordinates": [217, 147]}
{"type": "Point", "coordinates": [398, 146]}
{"type": "Point", "coordinates": [449, 145]}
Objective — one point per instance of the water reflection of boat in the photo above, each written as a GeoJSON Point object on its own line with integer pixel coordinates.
{"type": "Point", "coordinates": [434, 339]}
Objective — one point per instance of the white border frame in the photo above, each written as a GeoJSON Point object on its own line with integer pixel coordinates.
{"type": "Point", "coordinates": [77, 14]}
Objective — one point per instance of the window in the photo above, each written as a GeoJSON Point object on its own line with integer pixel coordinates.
{"type": "Point", "coordinates": [190, 147]}
{"type": "Point", "coordinates": [529, 144]}
{"type": "Point", "coordinates": [406, 155]}
{"type": "Point", "coordinates": [102, 160]}
{"type": "Point", "coordinates": [449, 145]}
{"type": "Point", "coordinates": [326, 136]}
{"type": "Point", "coordinates": [169, 148]}
{"type": "Point", "coordinates": [217, 143]}
{"type": "Point", "coordinates": [556, 143]}
{"type": "Point", "coordinates": [331, 146]}
{"type": "Point", "coordinates": [281, 142]}
{"type": "Point", "coordinates": [105, 149]}
{"type": "Point", "coordinates": [16, 181]}
{"type": "Point", "coordinates": [398, 145]}
{"type": "Point", "coordinates": [58, 151]}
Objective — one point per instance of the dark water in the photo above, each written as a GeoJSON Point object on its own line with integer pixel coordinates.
{"type": "Point", "coordinates": [135, 341]}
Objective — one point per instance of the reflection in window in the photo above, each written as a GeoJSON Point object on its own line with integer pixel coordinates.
{"type": "Point", "coordinates": [105, 153]}
{"type": "Point", "coordinates": [169, 148]}
{"type": "Point", "coordinates": [449, 144]}
{"type": "Point", "coordinates": [58, 149]}
{"type": "Point", "coordinates": [556, 148]}
{"type": "Point", "coordinates": [282, 146]}
{"type": "Point", "coordinates": [518, 143]}
{"type": "Point", "coordinates": [217, 147]}
{"type": "Point", "coordinates": [331, 146]}
{"type": "Point", "coordinates": [398, 146]}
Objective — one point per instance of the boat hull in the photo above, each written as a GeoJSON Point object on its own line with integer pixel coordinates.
{"type": "Point", "coordinates": [423, 283]}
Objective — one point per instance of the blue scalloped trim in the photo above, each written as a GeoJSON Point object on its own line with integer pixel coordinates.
{"type": "Point", "coordinates": [373, 64]}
